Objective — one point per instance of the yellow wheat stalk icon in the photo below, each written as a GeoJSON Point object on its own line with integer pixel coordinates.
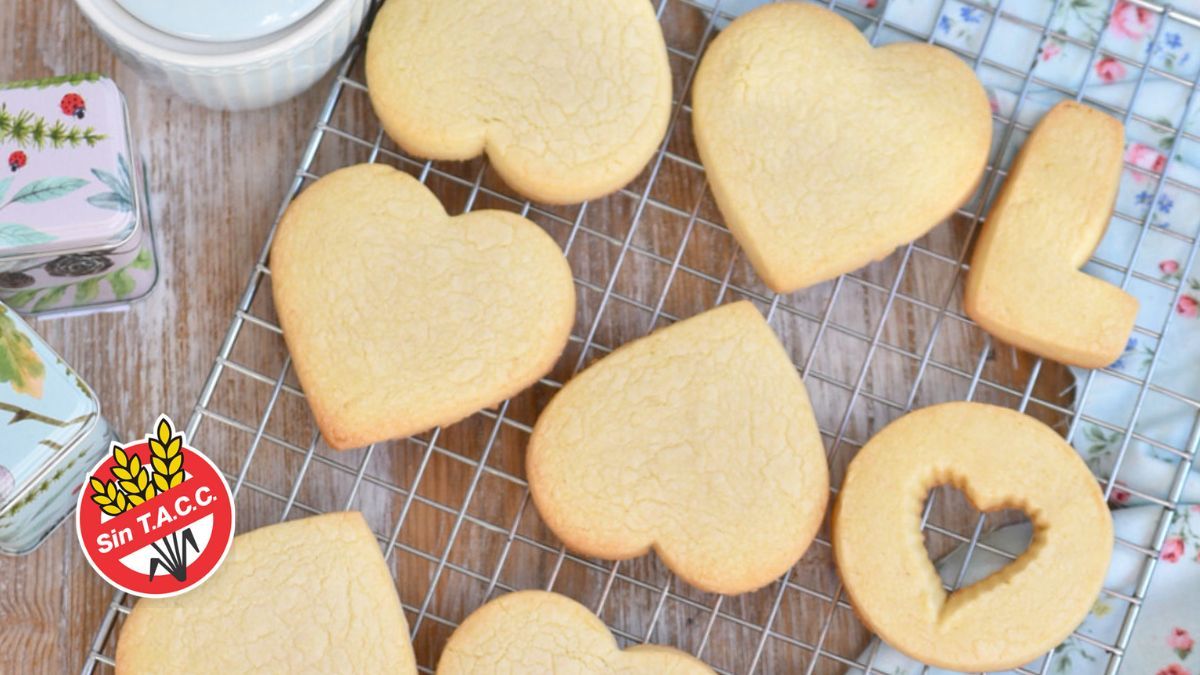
{"type": "Point", "coordinates": [109, 497]}
{"type": "Point", "coordinates": [132, 477]}
{"type": "Point", "coordinates": [166, 456]}
{"type": "Point", "coordinates": [133, 482]}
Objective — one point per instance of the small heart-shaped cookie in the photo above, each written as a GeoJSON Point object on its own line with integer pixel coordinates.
{"type": "Point", "coordinates": [540, 632]}
{"type": "Point", "coordinates": [825, 154]}
{"type": "Point", "coordinates": [307, 596]}
{"type": "Point", "coordinates": [697, 440]}
{"type": "Point", "coordinates": [400, 318]}
{"type": "Point", "coordinates": [569, 99]}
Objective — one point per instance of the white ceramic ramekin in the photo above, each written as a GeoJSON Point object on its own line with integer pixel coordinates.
{"type": "Point", "coordinates": [232, 75]}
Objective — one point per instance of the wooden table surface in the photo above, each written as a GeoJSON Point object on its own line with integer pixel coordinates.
{"type": "Point", "coordinates": [214, 191]}
{"type": "Point", "coordinates": [216, 180]}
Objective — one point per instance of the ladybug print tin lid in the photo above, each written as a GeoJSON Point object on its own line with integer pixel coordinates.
{"type": "Point", "coordinates": [66, 181]}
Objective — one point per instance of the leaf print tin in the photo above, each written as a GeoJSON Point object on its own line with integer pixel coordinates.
{"type": "Point", "coordinates": [51, 433]}
{"type": "Point", "coordinates": [74, 228]}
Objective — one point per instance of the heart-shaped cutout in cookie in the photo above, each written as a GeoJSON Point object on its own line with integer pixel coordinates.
{"type": "Point", "coordinates": [541, 632]}
{"type": "Point", "coordinates": [399, 317]}
{"type": "Point", "coordinates": [825, 154]}
{"type": "Point", "coordinates": [569, 99]}
{"type": "Point", "coordinates": [697, 441]}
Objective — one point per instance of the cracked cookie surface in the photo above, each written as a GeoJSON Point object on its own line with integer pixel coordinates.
{"type": "Point", "coordinates": [540, 632]}
{"type": "Point", "coordinates": [311, 595]}
{"type": "Point", "coordinates": [569, 99]}
{"type": "Point", "coordinates": [825, 154]}
{"type": "Point", "coordinates": [399, 317]}
{"type": "Point", "coordinates": [697, 441]}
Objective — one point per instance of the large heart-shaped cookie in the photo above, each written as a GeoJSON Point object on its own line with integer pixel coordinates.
{"type": "Point", "coordinates": [699, 441]}
{"type": "Point", "coordinates": [825, 154]}
{"type": "Point", "coordinates": [307, 596]}
{"type": "Point", "coordinates": [399, 317]}
{"type": "Point", "coordinates": [570, 99]}
{"type": "Point", "coordinates": [540, 632]}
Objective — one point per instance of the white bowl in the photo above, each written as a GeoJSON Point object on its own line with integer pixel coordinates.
{"type": "Point", "coordinates": [232, 75]}
{"type": "Point", "coordinates": [220, 20]}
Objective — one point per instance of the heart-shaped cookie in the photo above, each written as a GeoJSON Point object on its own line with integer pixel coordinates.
{"type": "Point", "coordinates": [399, 317]}
{"type": "Point", "coordinates": [540, 632]}
{"type": "Point", "coordinates": [307, 596]}
{"type": "Point", "coordinates": [825, 154]}
{"type": "Point", "coordinates": [569, 99]}
{"type": "Point", "coordinates": [698, 441]}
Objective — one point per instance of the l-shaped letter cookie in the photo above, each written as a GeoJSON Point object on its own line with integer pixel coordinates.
{"type": "Point", "coordinates": [1025, 286]}
{"type": "Point", "coordinates": [697, 441]}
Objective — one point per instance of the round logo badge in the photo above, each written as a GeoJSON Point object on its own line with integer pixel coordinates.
{"type": "Point", "coordinates": [155, 517]}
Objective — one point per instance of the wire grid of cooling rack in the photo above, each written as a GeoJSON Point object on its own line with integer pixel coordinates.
{"type": "Point", "coordinates": [450, 506]}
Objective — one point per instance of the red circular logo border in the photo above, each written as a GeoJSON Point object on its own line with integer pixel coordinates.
{"type": "Point", "coordinates": [109, 566]}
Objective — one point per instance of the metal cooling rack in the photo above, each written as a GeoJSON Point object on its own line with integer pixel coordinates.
{"type": "Point", "coordinates": [451, 508]}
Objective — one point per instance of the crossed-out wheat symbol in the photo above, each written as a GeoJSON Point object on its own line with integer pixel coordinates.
{"type": "Point", "coordinates": [133, 484]}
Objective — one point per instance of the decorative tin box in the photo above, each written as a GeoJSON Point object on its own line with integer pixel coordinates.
{"type": "Point", "coordinates": [51, 433]}
{"type": "Point", "coordinates": [74, 228]}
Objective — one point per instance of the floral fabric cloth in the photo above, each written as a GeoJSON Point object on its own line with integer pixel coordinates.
{"type": "Point", "coordinates": [1098, 47]}
{"type": "Point", "coordinates": [1164, 638]}
{"type": "Point", "coordinates": [1126, 34]}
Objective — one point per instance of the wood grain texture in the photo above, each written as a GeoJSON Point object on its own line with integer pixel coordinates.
{"type": "Point", "coordinates": [215, 184]}
{"type": "Point", "coordinates": [216, 181]}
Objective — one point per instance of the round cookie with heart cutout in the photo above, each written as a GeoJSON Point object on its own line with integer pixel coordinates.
{"type": "Point", "coordinates": [1001, 459]}
{"type": "Point", "coordinates": [399, 317]}
{"type": "Point", "coordinates": [569, 99]}
{"type": "Point", "coordinates": [825, 154]}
